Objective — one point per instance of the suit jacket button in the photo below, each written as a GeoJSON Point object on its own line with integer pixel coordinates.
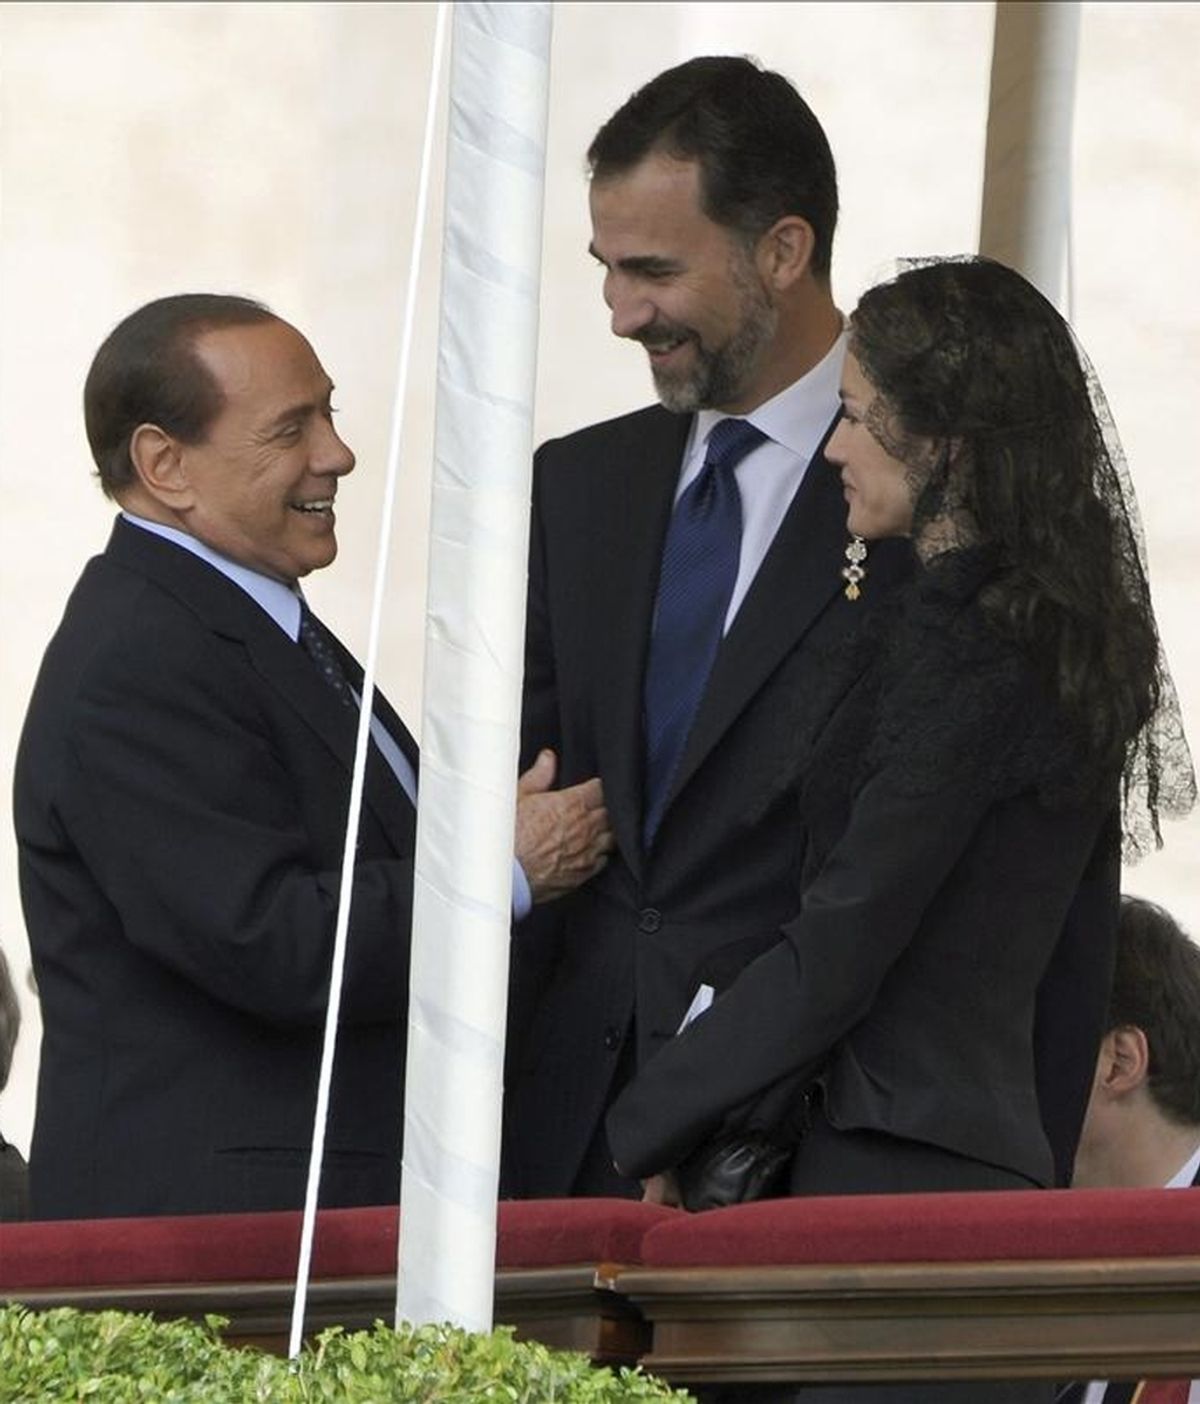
{"type": "Point", "coordinates": [612, 1038]}
{"type": "Point", "coordinates": [649, 920]}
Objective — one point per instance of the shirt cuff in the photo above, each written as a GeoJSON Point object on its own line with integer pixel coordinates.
{"type": "Point", "coordinates": [522, 897]}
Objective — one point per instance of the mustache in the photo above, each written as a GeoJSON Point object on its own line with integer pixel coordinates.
{"type": "Point", "coordinates": [659, 334]}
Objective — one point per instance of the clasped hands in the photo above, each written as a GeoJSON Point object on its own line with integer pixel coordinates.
{"type": "Point", "coordinates": [563, 837]}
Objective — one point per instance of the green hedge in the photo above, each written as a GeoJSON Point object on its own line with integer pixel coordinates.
{"type": "Point", "coordinates": [114, 1357]}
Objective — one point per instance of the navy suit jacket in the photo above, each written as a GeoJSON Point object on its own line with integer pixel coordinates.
{"type": "Point", "coordinates": [180, 799]}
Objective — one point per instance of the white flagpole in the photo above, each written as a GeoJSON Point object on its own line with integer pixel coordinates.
{"type": "Point", "coordinates": [1026, 212]}
{"type": "Point", "coordinates": [479, 534]}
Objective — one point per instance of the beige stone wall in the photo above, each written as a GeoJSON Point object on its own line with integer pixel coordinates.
{"type": "Point", "coordinates": [271, 149]}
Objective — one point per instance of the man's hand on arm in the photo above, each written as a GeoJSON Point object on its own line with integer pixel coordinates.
{"type": "Point", "coordinates": [563, 836]}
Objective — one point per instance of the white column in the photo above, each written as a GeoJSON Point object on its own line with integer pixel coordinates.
{"type": "Point", "coordinates": [473, 658]}
{"type": "Point", "coordinates": [1025, 220]}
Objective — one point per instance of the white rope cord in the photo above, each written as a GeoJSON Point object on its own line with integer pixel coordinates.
{"type": "Point", "coordinates": [368, 695]}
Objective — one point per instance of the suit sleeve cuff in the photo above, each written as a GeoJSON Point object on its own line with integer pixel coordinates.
{"type": "Point", "coordinates": [522, 897]}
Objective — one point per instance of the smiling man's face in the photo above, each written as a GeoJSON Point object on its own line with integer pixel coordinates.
{"type": "Point", "coordinates": [262, 482]}
{"type": "Point", "coordinates": [683, 286]}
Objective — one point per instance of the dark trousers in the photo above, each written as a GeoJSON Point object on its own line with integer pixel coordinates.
{"type": "Point", "coordinates": [597, 1175]}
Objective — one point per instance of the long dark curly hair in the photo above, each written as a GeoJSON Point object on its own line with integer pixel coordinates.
{"type": "Point", "coordinates": [967, 353]}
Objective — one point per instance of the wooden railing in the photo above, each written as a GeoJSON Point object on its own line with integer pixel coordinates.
{"type": "Point", "coordinates": [1058, 1285]}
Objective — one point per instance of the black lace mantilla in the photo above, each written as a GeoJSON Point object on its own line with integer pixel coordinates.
{"type": "Point", "coordinates": [988, 369]}
{"type": "Point", "coordinates": [954, 694]}
{"type": "Point", "coordinates": [938, 697]}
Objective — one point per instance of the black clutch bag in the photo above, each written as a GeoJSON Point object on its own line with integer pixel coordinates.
{"type": "Point", "coordinates": [749, 1156]}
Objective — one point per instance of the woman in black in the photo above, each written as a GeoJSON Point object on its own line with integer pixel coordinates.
{"type": "Point", "coordinates": [966, 768]}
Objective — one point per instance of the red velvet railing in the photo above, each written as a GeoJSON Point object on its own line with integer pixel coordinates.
{"type": "Point", "coordinates": [1054, 1284]}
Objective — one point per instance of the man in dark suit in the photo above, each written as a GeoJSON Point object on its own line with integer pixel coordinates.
{"type": "Point", "coordinates": [713, 202]}
{"type": "Point", "coordinates": [181, 796]}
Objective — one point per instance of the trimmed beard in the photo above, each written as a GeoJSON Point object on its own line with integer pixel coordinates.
{"type": "Point", "coordinates": [719, 375]}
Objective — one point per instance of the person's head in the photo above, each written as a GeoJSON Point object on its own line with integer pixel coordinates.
{"type": "Point", "coordinates": [966, 379]}
{"type": "Point", "coordinates": [714, 203]}
{"type": "Point", "coordinates": [1143, 1117]}
{"type": "Point", "coordinates": [970, 420]}
{"type": "Point", "coordinates": [1156, 992]}
{"type": "Point", "coordinates": [209, 413]}
{"type": "Point", "coordinates": [10, 1020]}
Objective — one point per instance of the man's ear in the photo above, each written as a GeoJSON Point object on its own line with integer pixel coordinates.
{"type": "Point", "coordinates": [1124, 1060]}
{"type": "Point", "coordinates": [785, 252]}
{"type": "Point", "coordinates": [158, 462]}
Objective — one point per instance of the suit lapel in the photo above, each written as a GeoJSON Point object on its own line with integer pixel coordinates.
{"type": "Point", "coordinates": [382, 791]}
{"type": "Point", "coordinates": [227, 610]}
{"type": "Point", "coordinates": [284, 666]}
{"type": "Point", "coordinates": [798, 578]}
{"type": "Point", "coordinates": [634, 512]}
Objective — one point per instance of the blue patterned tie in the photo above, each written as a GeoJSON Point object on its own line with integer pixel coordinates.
{"type": "Point", "coordinates": [315, 640]}
{"type": "Point", "coordinates": [699, 568]}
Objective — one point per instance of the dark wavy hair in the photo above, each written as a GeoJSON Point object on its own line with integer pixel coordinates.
{"type": "Point", "coordinates": [761, 150]}
{"type": "Point", "coordinates": [1156, 988]}
{"type": "Point", "coordinates": [147, 372]}
{"type": "Point", "coordinates": [968, 353]}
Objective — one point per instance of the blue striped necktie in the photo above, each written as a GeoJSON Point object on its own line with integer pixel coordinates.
{"type": "Point", "coordinates": [699, 568]}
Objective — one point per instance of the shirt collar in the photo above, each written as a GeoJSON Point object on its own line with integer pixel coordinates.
{"type": "Point", "coordinates": [1184, 1177]}
{"type": "Point", "coordinates": [280, 601]}
{"type": "Point", "coordinates": [799, 415]}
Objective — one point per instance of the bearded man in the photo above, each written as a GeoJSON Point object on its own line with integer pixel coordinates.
{"type": "Point", "coordinates": [686, 578]}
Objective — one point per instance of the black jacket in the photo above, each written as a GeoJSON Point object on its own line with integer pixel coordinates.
{"type": "Point", "coordinates": [949, 824]}
{"type": "Point", "coordinates": [181, 791]}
